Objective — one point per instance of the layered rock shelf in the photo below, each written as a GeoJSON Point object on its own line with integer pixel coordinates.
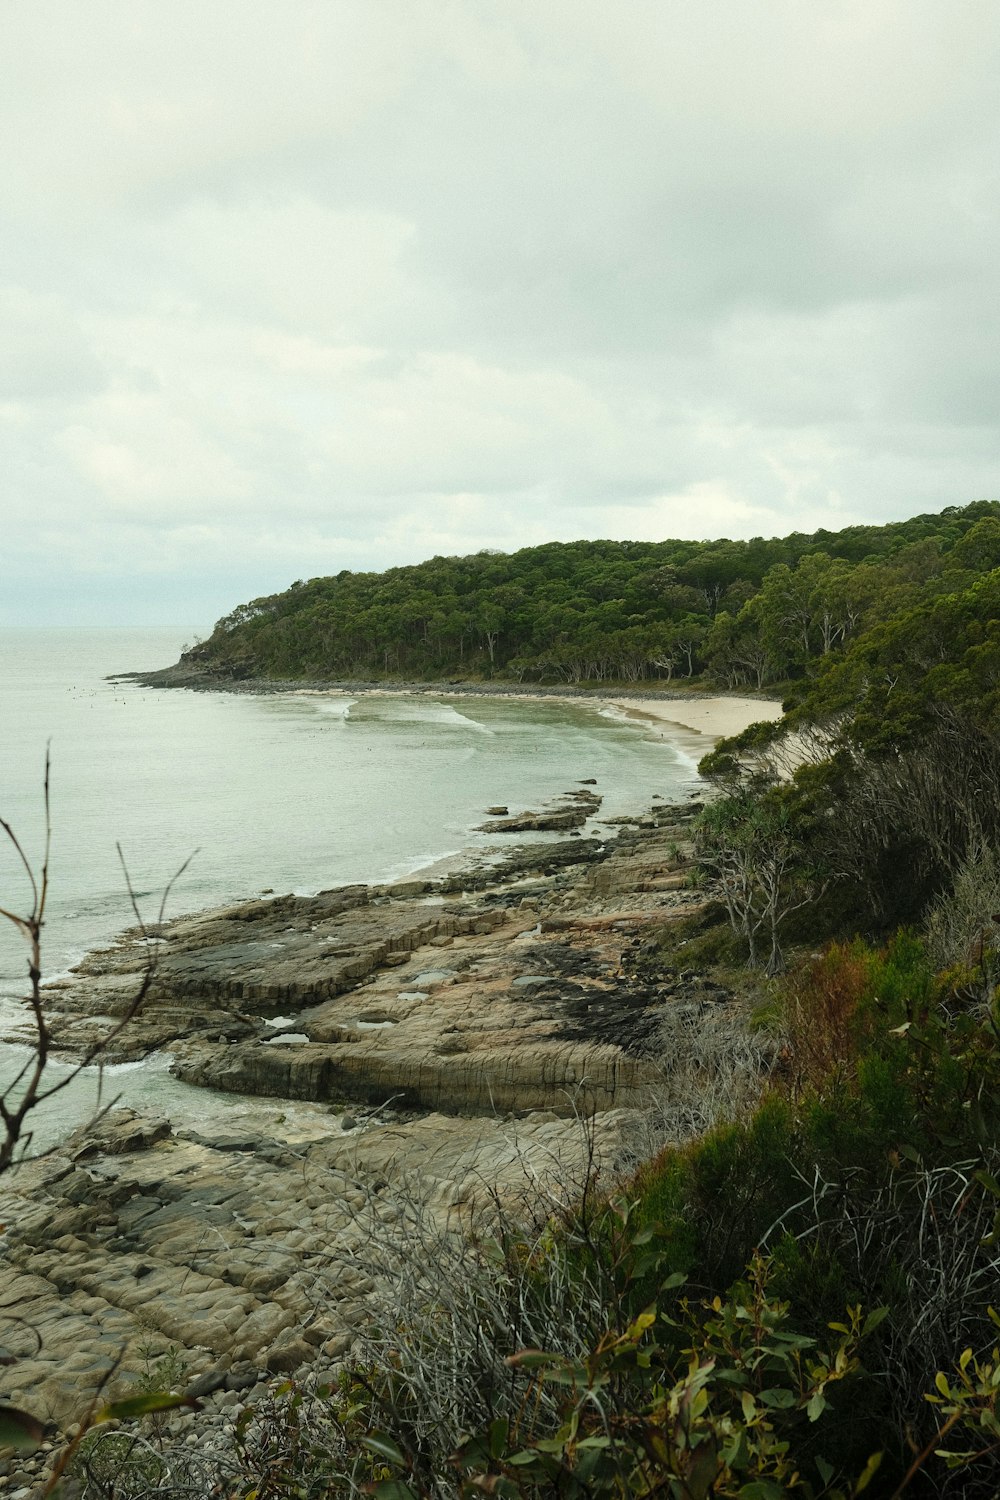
{"type": "Point", "coordinates": [445, 1035]}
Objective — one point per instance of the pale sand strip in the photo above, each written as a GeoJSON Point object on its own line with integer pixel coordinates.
{"type": "Point", "coordinates": [710, 719]}
{"type": "Point", "coordinates": [713, 719]}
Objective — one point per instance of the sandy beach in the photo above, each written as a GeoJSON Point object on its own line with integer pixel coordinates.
{"type": "Point", "coordinates": [711, 718]}
{"type": "Point", "coordinates": [695, 725]}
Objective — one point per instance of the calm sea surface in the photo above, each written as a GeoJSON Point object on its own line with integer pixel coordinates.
{"type": "Point", "coordinates": [292, 792]}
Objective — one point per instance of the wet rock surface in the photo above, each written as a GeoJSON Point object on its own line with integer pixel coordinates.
{"type": "Point", "coordinates": [577, 806]}
{"type": "Point", "coordinates": [440, 1035]}
{"type": "Point", "coordinates": [500, 996]}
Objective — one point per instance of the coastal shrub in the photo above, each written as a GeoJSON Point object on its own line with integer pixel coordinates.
{"type": "Point", "coordinates": [704, 940]}
{"type": "Point", "coordinates": [306, 1441]}
{"type": "Point", "coordinates": [963, 928]}
{"type": "Point", "coordinates": [747, 839]}
{"type": "Point", "coordinates": [445, 1363]}
{"type": "Point", "coordinates": [966, 1401]}
{"type": "Point", "coordinates": [731, 1402]}
{"type": "Point", "coordinates": [714, 1064]}
{"type": "Point", "coordinates": [461, 1312]}
{"type": "Point", "coordinates": [836, 1102]}
{"type": "Point", "coordinates": [819, 1014]}
{"type": "Point", "coordinates": [902, 1207]}
{"type": "Point", "coordinates": [868, 1171]}
{"type": "Point", "coordinates": [122, 1464]}
{"type": "Point", "coordinates": [687, 1397]}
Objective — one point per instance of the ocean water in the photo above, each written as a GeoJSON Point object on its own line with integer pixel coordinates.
{"type": "Point", "coordinates": [285, 793]}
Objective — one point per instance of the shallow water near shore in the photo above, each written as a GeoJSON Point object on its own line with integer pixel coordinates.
{"type": "Point", "coordinates": [147, 1086]}
{"type": "Point", "coordinates": [291, 792]}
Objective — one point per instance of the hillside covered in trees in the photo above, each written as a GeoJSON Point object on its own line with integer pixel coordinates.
{"type": "Point", "coordinates": [739, 614]}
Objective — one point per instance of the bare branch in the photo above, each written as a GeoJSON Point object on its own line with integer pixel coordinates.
{"type": "Point", "coordinates": [30, 1089]}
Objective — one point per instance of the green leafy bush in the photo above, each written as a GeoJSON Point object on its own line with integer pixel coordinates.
{"type": "Point", "coordinates": [731, 1403]}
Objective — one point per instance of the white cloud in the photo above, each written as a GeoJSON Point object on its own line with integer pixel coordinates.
{"type": "Point", "coordinates": [44, 353]}
{"type": "Point", "coordinates": [291, 287]}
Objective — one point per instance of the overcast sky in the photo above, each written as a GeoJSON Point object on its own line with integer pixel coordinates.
{"type": "Point", "coordinates": [289, 287]}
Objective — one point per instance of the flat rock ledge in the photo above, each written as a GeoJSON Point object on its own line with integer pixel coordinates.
{"type": "Point", "coordinates": [515, 992]}
{"type": "Point", "coordinates": [443, 1038]}
{"type": "Point", "coordinates": [246, 1258]}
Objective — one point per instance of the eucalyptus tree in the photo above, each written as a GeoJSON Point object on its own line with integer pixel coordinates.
{"type": "Point", "coordinates": [746, 839]}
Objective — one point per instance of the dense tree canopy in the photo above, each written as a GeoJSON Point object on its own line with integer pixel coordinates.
{"type": "Point", "coordinates": [744, 614]}
{"type": "Point", "coordinates": [892, 707]}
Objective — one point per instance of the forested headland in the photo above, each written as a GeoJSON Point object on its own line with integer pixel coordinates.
{"type": "Point", "coordinates": [742, 614]}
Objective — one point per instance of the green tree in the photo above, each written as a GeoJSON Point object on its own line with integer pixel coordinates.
{"type": "Point", "coordinates": [746, 840]}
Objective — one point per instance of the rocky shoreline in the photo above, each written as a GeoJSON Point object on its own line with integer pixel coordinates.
{"type": "Point", "coordinates": [445, 1036]}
